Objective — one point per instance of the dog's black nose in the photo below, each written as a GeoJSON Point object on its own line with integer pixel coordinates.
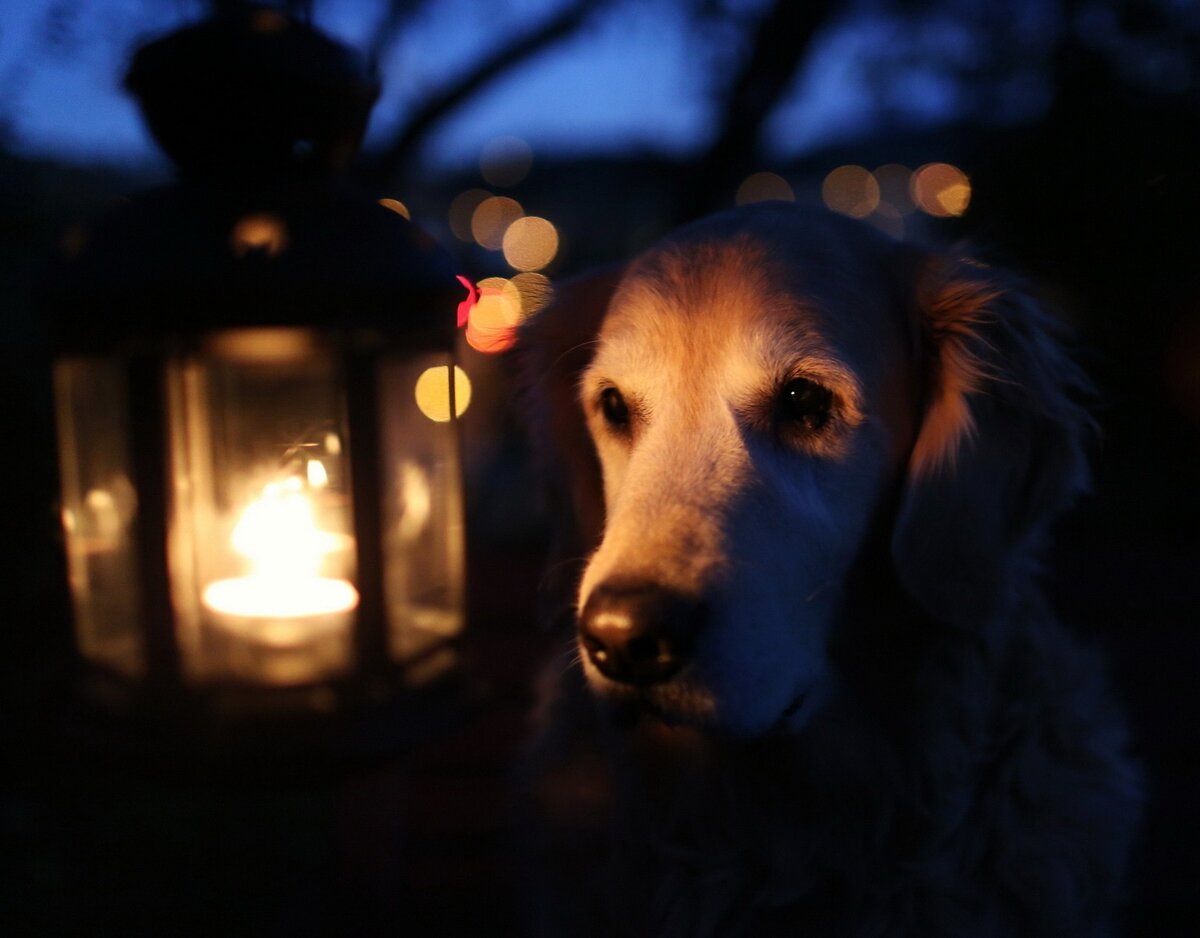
{"type": "Point", "coordinates": [639, 633]}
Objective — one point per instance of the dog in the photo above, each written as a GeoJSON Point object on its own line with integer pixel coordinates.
{"type": "Point", "coordinates": [802, 476]}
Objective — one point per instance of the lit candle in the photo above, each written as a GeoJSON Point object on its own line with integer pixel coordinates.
{"type": "Point", "coordinates": [283, 600]}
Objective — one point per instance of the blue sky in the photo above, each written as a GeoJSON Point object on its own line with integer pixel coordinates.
{"type": "Point", "coordinates": [631, 79]}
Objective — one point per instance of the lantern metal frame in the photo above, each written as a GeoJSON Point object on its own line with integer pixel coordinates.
{"type": "Point", "coordinates": [259, 112]}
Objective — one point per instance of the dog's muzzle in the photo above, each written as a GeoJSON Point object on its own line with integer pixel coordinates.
{"type": "Point", "coordinates": [639, 633]}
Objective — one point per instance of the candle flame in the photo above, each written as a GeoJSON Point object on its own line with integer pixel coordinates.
{"type": "Point", "coordinates": [278, 534]}
{"type": "Point", "coordinates": [318, 475]}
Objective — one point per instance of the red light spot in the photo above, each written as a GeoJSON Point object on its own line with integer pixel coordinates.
{"type": "Point", "coordinates": [465, 307]}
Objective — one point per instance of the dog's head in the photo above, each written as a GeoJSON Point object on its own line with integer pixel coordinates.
{"type": "Point", "coordinates": [752, 403]}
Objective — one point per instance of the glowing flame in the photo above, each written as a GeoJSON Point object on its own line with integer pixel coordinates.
{"type": "Point", "coordinates": [278, 534]}
{"type": "Point", "coordinates": [318, 475]}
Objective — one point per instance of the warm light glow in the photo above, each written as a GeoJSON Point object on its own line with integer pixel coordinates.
{"type": "Point", "coordinates": [266, 344]}
{"type": "Point", "coordinates": [941, 190]}
{"type": "Point", "coordinates": [462, 208]}
{"type": "Point", "coordinates": [492, 326]}
{"type": "Point", "coordinates": [318, 476]}
{"type": "Point", "coordinates": [261, 232]}
{"type": "Point", "coordinates": [278, 534]}
{"type": "Point", "coordinates": [268, 21]}
{"type": "Point", "coordinates": [764, 187]}
{"type": "Point", "coordinates": [535, 290]}
{"type": "Point", "coordinates": [851, 190]}
{"type": "Point", "coordinates": [530, 243]}
{"type": "Point", "coordinates": [505, 161]}
{"type": "Point", "coordinates": [395, 205]}
{"type": "Point", "coordinates": [103, 514]}
{"type": "Point", "coordinates": [506, 290]}
{"type": "Point", "coordinates": [491, 219]}
{"type": "Point", "coordinates": [416, 501]}
{"type": "Point", "coordinates": [894, 181]}
{"type": "Point", "coordinates": [433, 393]}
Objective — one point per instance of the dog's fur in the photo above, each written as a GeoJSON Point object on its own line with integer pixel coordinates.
{"type": "Point", "coordinates": [882, 731]}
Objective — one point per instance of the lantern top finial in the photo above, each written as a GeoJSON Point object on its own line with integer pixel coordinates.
{"type": "Point", "coordinates": [252, 90]}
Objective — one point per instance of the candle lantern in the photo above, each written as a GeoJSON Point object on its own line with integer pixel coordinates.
{"type": "Point", "coordinates": [256, 396]}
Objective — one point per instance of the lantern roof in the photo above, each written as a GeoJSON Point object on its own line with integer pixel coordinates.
{"type": "Point", "coordinates": [258, 111]}
{"type": "Point", "coordinates": [252, 88]}
{"type": "Point", "coordinates": [194, 257]}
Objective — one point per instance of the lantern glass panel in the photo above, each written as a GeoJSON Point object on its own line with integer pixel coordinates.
{"type": "Point", "coordinates": [99, 505]}
{"type": "Point", "coordinates": [261, 552]}
{"type": "Point", "coordinates": [423, 523]}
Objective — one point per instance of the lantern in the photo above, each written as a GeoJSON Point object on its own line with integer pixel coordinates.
{"type": "Point", "coordinates": [256, 396]}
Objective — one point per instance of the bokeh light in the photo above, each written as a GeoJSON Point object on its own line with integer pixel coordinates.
{"type": "Point", "coordinates": [462, 208]}
{"type": "Point", "coordinates": [268, 21]}
{"type": "Point", "coordinates": [491, 219]}
{"type": "Point", "coordinates": [535, 291]}
{"type": "Point", "coordinates": [894, 181]}
{"type": "Point", "coordinates": [530, 243]}
{"type": "Point", "coordinates": [764, 187]}
{"type": "Point", "coordinates": [492, 327]}
{"type": "Point", "coordinates": [941, 190]}
{"type": "Point", "coordinates": [395, 205]}
{"type": "Point", "coordinates": [432, 392]}
{"type": "Point", "coordinates": [505, 161]}
{"type": "Point", "coordinates": [260, 232]}
{"type": "Point", "coordinates": [851, 190]}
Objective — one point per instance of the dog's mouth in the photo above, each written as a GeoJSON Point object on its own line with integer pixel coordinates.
{"type": "Point", "coordinates": [659, 705]}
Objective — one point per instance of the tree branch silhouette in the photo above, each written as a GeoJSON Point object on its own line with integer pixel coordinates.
{"type": "Point", "coordinates": [780, 43]}
{"type": "Point", "coordinates": [390, 161]}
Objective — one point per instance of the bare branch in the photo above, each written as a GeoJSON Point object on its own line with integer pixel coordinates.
{"type": "Point", "coordinates": [390, 160]}
{"type": "Point", "coordinates": [782, 40]}
{"type": "Point", "coordinates": [397, 14]}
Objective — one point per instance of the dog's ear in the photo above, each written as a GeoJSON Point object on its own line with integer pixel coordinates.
{"type": "Point", "coordinates": [1001, 447]}
{"type": "Point", "coordinates": [553, 348]}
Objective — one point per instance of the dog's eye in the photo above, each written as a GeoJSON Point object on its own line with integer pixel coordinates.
{"type": "Point", "coordinates": [614, 408]}
{"type": "Point", "coordinates": [806, 403]}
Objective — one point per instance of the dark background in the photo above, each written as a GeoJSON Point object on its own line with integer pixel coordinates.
{"type": "Point", "coordinates": [1093, 190]}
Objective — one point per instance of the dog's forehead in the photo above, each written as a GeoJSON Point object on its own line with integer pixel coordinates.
{"type": "Point", "coordinates": [807, 293]}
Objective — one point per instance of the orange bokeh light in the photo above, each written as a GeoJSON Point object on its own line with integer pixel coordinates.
{"type": "Point", "coordinates": [260, 232]}
{"type": "Point", "coordinates": [764, 187]}
{"type": "Point", "coordinates": [851, 190]}
{"type": "Point", "coordinates": [491, 219]}
{"type": "Point", "coordinates": [530, 243]}
{"type": "Point", "coordinates": [492, 327]}
{"type": "Point", "coordinates": [395, 205]}
{"type": "Point", "coordinates": [462, 207]}
{"type": "Point", "coordinates": [941, 190]}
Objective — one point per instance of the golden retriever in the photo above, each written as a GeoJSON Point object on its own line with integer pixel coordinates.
{"type": "Point", "coordinates": [802, 473]}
